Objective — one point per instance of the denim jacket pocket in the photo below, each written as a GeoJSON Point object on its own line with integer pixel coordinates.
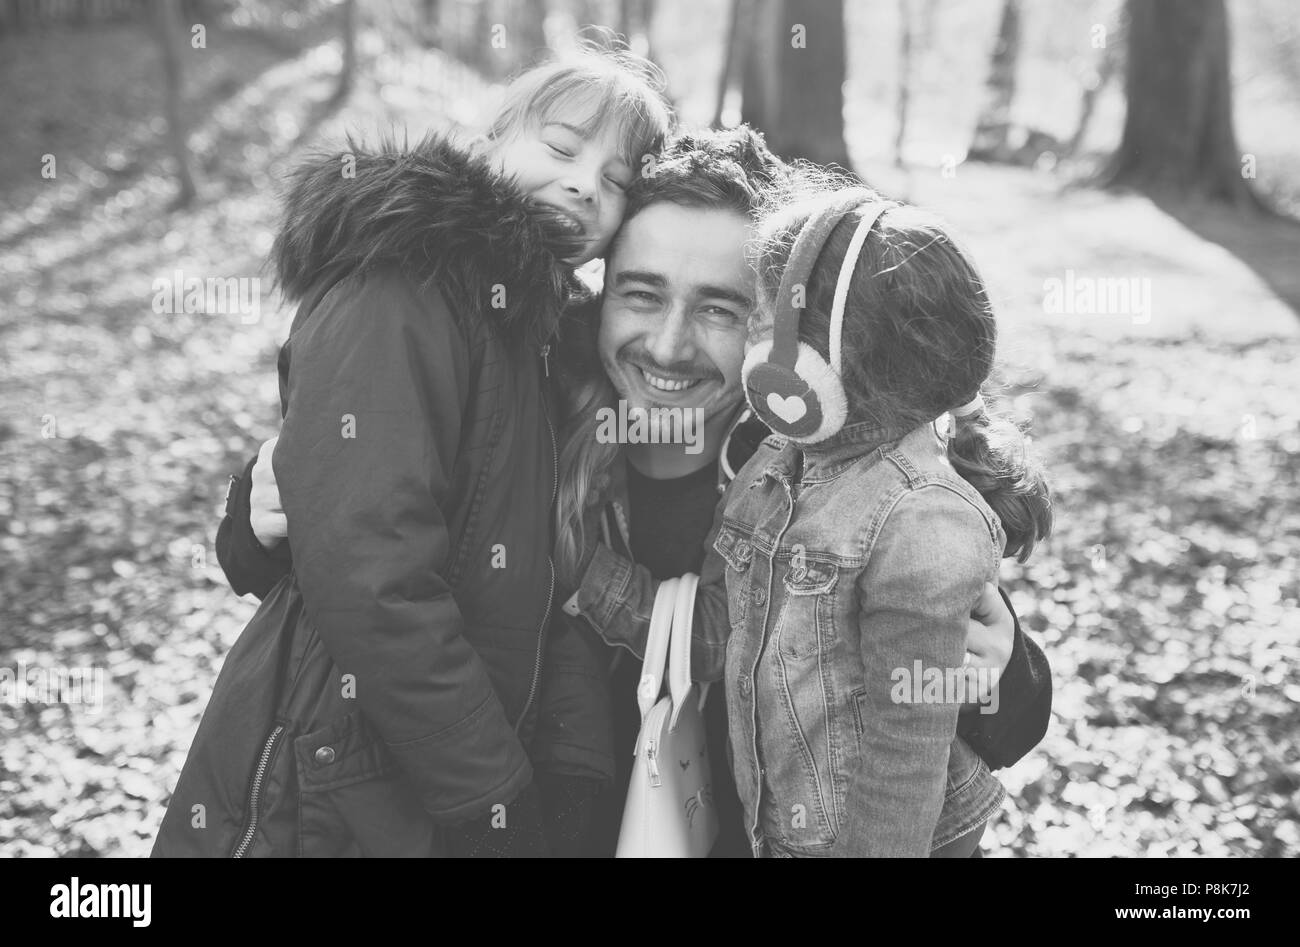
{"type": "Point", "coordinates": [737, 548]}
{"type": "Point", "coordinates": [807, 615]}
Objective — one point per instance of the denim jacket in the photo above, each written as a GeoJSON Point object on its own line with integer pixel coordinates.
{"type": "Point", "coordinates": [833, 570]}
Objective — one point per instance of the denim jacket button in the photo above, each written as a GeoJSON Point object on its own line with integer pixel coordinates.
{"type": "Point", "coordinates": [744, 687]}
{"type": "Point", "coordinates": [798, 573]}
{"type": "Point", "coordinates": [760, 596]}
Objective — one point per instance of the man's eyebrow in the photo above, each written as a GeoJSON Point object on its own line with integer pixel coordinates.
{"type": "Point", "coordinates": [723, 292]}
{"type": "Point", "coordinates": [639, 276]}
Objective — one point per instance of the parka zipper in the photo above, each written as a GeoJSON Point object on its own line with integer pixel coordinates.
{"type": "Point", "coordinates": [255, 792]}
{"type": "Point", "coordinates": [550, 562]}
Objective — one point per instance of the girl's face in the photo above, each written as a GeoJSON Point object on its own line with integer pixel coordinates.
{"type": "Point", "coordinates": [581, 177]}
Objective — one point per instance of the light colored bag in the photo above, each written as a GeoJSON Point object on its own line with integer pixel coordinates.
{"type": "Point", "coordinates": [670, 811]}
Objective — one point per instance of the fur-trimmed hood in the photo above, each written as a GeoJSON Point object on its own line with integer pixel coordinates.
{"type": "Point", "coordinates": [441, 214]}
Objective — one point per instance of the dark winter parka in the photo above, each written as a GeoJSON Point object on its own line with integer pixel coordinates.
{"type": "Point", "coordinates": [387, 685]}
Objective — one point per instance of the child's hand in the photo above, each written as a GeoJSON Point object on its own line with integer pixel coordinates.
{"type": "Point", "coordinates": [990, 635]}
{"type": "Point", "coordinates": [264, 513]}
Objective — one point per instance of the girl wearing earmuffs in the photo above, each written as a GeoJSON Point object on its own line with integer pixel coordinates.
{"type": "Point", "coordinates": [848, 549]}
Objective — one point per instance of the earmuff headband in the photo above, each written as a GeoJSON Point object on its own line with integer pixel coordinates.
{"type": "Point", "coordinates": [870, 215]}
{"type": "Point", "coordinates": [797, 392]}
{"type": "Point", "coordinates": [803, 257]}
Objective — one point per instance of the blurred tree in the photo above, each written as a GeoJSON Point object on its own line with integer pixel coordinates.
{"type": "Point", "coordinates": [167, 28]}
{"type": "Point", "coordinates": [1178, 137]}
{"type": "Point", "coordinates": [528, 17]}
{"type": "Point", "coordinates": [348, 72]}
{"type": "Point", "coordinates": [1096, 77]}
{"type": "Point", "coordinates": [793, 79]}
{"type": "Point", "coordinates": [990, 140]}
{"type": "Point", "coordinates": [735, 35]}
{"type": "Point", "coordinates": [904, 78]}
{"type": "Point", "coordinates": [430, 19]}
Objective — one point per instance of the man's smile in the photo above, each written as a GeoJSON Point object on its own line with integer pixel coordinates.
{"type": "Point", "coordinates": [665, 381]}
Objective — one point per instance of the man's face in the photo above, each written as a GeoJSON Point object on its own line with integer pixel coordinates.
{"type": "Point", "coordinates": [678, 292]}
{"type": "Point", "coordinates": [582, 177]}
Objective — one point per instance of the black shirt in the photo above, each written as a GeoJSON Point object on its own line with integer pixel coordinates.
{"type": "Point", "coordinates": [670, 519]}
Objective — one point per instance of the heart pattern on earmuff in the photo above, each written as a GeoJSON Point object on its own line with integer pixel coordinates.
{"type": "Point", "coordinates": [784, 400]}
{"type": "Point", "coordinates": [789, 410]}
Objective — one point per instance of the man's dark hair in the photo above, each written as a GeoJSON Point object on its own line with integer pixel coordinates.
{"type": "Point", "coordinates": [729, 169]}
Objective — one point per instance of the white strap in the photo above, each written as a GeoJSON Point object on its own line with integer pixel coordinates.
{"type": "Point", "coordinates": [679, 652]}
{"type": "Point", "coordinates": [869, 215]}
{"type": "Point", "coordinates": [656, 648]}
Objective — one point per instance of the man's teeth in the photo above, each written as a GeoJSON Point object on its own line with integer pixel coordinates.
{"type": "Point", "coordinates": [663, 384]}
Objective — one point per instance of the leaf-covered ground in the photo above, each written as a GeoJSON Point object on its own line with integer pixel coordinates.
{"type": "Point", "coordinates": [1166, 601]}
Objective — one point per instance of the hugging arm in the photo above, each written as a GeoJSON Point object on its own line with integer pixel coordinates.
{"type": "Point", "coordinates": [913, 605]}
{"type": "Point", "coordinates": [1024, 704]}
{"type": "Point", "coordinates": [617, 596]}
{"type": "Point", "coordinates": [249, 567]}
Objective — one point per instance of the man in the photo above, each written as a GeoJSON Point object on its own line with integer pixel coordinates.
{"type": "Point", "coordinates": [670, 333]}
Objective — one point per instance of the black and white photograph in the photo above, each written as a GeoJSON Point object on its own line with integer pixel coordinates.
{"type": "Point", "coordinates": [650, 429]}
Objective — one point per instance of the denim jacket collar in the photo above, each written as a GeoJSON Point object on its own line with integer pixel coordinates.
{"type": "Point", "coordinates": [827, 459]}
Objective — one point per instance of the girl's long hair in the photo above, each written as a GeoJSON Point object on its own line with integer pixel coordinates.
{"type": "Point", "coordinates": [919, 339]}
{"type": "Point", "coordinates": [584, 461]}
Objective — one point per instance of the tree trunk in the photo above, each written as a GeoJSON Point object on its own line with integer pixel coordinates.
{"type": "Point", "coordinates": [990, 140]}
{"type": "Point", "coordinates": [347, 75]}
{"type": "Point", "coordinates": [1178, 138]}
{"type": "Point", "coordinates": [904, 78]}
{"type": "Point", "coordinates": [757, 69]}
{"type": "Point", "coordinates": [794, 79]}
{"type": "Point", "coordinates": [167, 28]}
{"type": "Point", "coordinates": [530, 35]}
{"type": "Point", "coordinates": [1107, 64]}
{"type": "Point", "coordinates": [728, 60]}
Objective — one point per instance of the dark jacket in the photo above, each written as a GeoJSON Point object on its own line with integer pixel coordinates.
{"type": "Point", "coordinates": [386, 687]}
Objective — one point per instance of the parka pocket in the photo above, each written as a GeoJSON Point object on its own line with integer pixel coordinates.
{"type": "Point", "coordinates": [353, 800]}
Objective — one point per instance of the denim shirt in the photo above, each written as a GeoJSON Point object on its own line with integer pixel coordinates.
{"type": "Point", "coordinates": [833, 570]}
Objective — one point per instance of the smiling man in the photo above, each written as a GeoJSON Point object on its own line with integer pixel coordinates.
{"type": "Point", "coordinates": [672, 323]}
